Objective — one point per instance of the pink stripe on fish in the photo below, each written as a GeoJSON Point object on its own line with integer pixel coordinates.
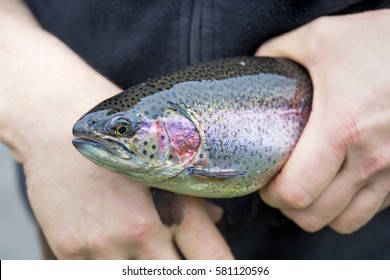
{"type": "Point", "coordinates": [184, 138]}
{"type": "Point", "coordinates": [162, 137]}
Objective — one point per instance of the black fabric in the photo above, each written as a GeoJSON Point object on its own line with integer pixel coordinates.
{"type": "Point", "coordinates": [131, 41]}
{"type": "Point", "coordinates": [254, 230]}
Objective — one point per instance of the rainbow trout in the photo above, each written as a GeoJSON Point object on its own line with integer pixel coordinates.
{"type": "Point", "coordinates": [220, 129]}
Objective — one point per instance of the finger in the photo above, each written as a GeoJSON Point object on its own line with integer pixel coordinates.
{"type": "Point", "coordinates": [164, 250]}
{"type": "Point", "coordinates": [150, 243]}
{"type": "Point", "coordinates": [157, 243]}
{"type": "Point", "coordinates": [152, 251]}
{"type": "Point", "coordinates": [311, 167]}
{"type": "Point", "coordinates": [293, 44]}
{"type": "Point", "coordinates": [287, 45]}
{"type": "Point", "coordinates": [146, 236]}
{"type": "Point", "coordinates": [197, 237]}
{"type": "Point", "coordinates": [336, 197]}
{"type": "Point", "coordinates": [360, 211]}
{"type": "Point", "coordinates": [215, 212]}
{"type": "Point", "coordinates": [385, 203]}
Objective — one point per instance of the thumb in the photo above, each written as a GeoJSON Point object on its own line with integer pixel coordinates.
{"type": "Point", "coordinates": [294, 45]}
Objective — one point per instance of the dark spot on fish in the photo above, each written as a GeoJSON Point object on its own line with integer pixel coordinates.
{"type": "Point", "coordinates": [144, 152]}
{"type": "Point", "coordinates": [91, 123]}
{"type": "Point", "coordinates": [151, 156]}
{"type": "Point", "coordinates": [146, 143]}
{"type": "Point", "coordinates": [154, 147]}
{"type": "Point", "coordinates": [201, 155]}
{"type": "Point", "coordinates": [170, 157]}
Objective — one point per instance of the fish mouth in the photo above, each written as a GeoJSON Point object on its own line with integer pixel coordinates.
{"type": "Point", "coordinates": [113, 147]}
{"type": "Point", "coordinates": [79, 141]}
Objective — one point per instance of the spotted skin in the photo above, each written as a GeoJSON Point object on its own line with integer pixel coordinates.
{"type": "Point", "coordinates": [219, 129]}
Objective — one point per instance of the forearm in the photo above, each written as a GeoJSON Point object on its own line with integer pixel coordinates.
{"type": "Point", "coordinates": [44, 86]}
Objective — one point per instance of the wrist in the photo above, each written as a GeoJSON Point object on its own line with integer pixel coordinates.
{"type": "Point", "coordinates": [45, 88]}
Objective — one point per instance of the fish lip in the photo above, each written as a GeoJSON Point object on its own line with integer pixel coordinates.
{"type": "Point", "coordinates": [113, 147]}
{"type": "Point", "coordinates": [80, 141]}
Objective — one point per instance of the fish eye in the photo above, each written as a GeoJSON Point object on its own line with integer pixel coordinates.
{"type": "Point", "coordinates": [122, 128]}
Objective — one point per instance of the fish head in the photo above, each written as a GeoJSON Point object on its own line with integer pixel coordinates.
{"type": "Point", "coordinates": [130, 143]}
{"type": "Point", "coordinates": [119, 142]}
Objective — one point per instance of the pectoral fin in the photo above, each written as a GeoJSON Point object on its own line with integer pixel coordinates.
{"type": "Point", "coordinates": [217, 173]}
{"type": "Point", "coordinates": [169, 206]}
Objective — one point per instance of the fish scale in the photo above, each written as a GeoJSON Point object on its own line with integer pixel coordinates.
{"type": "Point", "coordinates": [229, 126]}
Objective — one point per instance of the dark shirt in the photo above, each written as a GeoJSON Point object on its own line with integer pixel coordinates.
{"type": "Point", "coordinates": [131, 41]}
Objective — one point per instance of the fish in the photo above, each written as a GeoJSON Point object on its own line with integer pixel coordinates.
{"type": "Point", "coordinates": [219, 129]}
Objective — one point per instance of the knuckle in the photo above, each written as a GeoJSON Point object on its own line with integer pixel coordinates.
{"type": "Point", "coordinates": [319, 29]}
{"type": "Point", "coordinates": [311, 227]}
{"type": "Point", "coordinates": [322, 25]}
{"type": "Point", "coordinates": [138, 231]}
{"type": "Point", "coordinates": [372, 165]}
{"type": "Point", "coordinates": [100, 243]}
{"type": "Point", "coordinates": [345, 227]}
{"type": "Point", "coordinates": [309, 223]}
{"type": "Point", "coordinates": [67, 247]}
{"type": "Point", "coordinates": [348, 134]}
{"type": "Point", "coordinates": [296, 197]}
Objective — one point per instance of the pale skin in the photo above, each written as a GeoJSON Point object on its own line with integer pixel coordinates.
{"type": "Point", "coordinates": [87, 212]}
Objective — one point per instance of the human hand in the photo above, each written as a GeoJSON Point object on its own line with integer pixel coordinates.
{"type": "Point", "coordinates": [339, 172]}
{"type": "Point", "coordinates": [83, 210]}
{"type": "Point", "coordinates": [87, 212]}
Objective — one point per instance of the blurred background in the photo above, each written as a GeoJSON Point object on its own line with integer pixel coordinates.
{"type": "Point", "coordinates": [18, 234]}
